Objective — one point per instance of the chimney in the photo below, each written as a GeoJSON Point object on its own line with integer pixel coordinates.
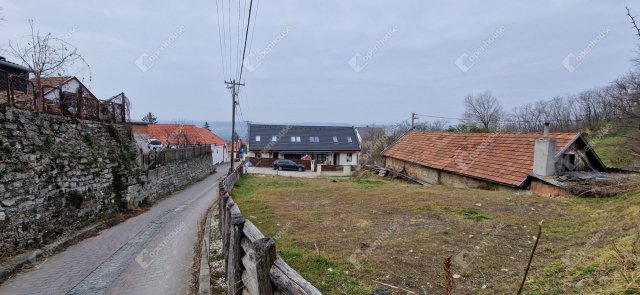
{"type": "Point", "coordinates": [544, 155]}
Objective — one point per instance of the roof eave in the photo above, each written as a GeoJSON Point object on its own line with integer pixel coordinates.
{"type": "Point", "coordinates": [467, 175]}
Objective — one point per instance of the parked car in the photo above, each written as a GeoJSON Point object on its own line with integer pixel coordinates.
{"type": "Point", "coordinates": [287, 165]}
{"type": "Point", "coordinates": [155, 144]}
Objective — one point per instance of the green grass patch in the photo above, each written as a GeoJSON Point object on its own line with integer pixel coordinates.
{"type": "Point", "coordinates": [285, 184]}
{"type": "Point", "coordinates": [328, 276]}
{"type": "Point", "coordinates": [474, 215]}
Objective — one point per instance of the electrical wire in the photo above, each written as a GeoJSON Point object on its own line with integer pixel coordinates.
{"type": "Point", "coordinates": [246, 35]}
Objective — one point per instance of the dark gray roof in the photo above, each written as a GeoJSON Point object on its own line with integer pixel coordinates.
{"type": "Point", "coordinates": [7, 64]}
{"type": "Point", "coordinates": [324, 134]}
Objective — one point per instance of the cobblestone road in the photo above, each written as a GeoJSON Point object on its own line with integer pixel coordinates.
{"type": "Point", "coordinates": [151, 253]}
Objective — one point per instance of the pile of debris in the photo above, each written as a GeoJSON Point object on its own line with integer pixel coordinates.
{"type": "Point", "coordinates": [383, 171]}
{"type": "Point", "coordinates": [598, 184]}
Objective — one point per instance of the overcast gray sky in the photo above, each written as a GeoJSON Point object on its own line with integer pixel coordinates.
{"type": "Point", "coordinates": [413, 55]}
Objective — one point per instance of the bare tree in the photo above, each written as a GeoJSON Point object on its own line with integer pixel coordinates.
{"type": "Point", "coordinates": [2, 15]}
{"type": "Point", "coordinates": [150, 118]}
{"type": "Point", "coordinates": [483, 109]}
{"type": "Point", "coordinates": [438, 125]}
{"type": "Point", "coordinates": [46, 55]}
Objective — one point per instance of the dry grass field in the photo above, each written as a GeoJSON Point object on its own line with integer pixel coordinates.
{"type": "Point", "coordinates": [346, 235]}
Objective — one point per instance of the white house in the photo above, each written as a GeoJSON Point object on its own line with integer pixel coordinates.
{"type": "Point", "coordinates": [329, 145]}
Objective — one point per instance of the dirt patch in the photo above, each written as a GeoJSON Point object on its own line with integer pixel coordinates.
{"type": "Point", "coordinates": [343, 235]}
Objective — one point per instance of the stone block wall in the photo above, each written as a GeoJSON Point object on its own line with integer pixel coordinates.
{"type": "Point", "coordinates": [58, 174]}
{"type": "Point", "coordinates": [163, 180]}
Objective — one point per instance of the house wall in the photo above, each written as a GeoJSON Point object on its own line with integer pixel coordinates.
{"type": "Point", "coordinates": [435, 176]}
{"type": "Point", "coordinates": [581, 162]}
{"type": "Point", "coordinates": [342, 159]}
{"type": "Point", "coordinates": [219, 154]}
{"type": "Point", "coordinates": [262, 155]}
{"type": "Point", "coordinates": [71, 86]}
{"type": "Point", "coordinates": [546, 190]}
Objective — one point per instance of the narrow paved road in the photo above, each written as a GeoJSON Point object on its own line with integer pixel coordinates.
{"type": "Point", "coordinates": [151, 253]}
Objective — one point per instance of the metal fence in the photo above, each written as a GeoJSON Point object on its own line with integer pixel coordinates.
{"type": "Point", "coordinates": [155, 159]}
{"type": "Point", "coordinates": [18, 92]}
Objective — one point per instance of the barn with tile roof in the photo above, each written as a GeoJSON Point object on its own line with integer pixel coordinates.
{"type": "Point", "coordinates": [490, 160]}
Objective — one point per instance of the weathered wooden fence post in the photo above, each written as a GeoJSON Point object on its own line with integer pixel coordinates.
{"type": "Point", "coordinates": [235, 234]}
{"type": "Point", "coordinates": [265, 251]}
{"type": "Point", "coordinates": [79, 103]}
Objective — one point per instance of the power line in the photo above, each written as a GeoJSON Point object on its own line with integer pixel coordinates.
{"type": "Point", "coordinates": [221, 39]}
{"type": "Point", "coordinates": [246, 35]}
{"type": "Point", "coordinates": [255, 19]}
{"type": "Point", "coordinates": [238, 41]}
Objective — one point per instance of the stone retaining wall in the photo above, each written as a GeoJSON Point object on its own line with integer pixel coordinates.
{"type": "Point", "coordinates": [58, 174]}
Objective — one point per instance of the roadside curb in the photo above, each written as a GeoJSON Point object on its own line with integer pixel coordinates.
{"type": "Point", "coordinates": [204, 279]}
{"type": "Point", "coordinates": [32, 256]}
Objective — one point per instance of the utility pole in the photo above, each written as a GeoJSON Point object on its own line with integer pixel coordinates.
{"type": "Point", "coordinates": [414, 116]}
{"type": "Point", "coordinates": [233, 85]}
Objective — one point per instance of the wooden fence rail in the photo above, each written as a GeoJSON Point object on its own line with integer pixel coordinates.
{"type": "Point", "coordinates": [252, 265]}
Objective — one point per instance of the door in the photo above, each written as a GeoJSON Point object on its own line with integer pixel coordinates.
{"type": "Point", "coordinates": [275, 155]}
{"type": "Point", "coordinates": [336, 156]}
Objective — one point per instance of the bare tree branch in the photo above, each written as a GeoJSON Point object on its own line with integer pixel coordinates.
{"type": "Point", "coordinates": [633, 21]}
{"type": "Point", "coordinates": [46, 55]}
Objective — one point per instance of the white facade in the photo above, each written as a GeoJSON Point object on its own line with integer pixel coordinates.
{"type": "Point", "coordinates": [342, 158]}
{"type": "Point", "coordinates": [69, 86]}
{"type": "Point", "coordinates": [350, 159]}
{"type": "Point", "coordinates": [219, 154]}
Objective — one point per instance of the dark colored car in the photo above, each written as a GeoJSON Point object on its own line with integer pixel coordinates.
{"type": "Point", "coordinates": [287, 165]}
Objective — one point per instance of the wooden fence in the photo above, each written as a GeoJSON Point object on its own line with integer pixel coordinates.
{"type": "Point", "coordinates": [17, 92]}
{"type": "Point", "coordinates": [155, 159]}
{"type": "Point", "coordinates": [251, 263]}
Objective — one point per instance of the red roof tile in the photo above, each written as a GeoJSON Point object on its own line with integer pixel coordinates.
{"type": "Point", "coordinates": [182, 134]}
{"type": "Point", "coordinates": [499, 157]}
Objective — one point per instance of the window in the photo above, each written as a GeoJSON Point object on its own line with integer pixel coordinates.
{"type": "Point", "coordinates": [570, 162]}
{"type": "Point", "coordinates": [295, 138]}
{"type": "Point", "coordinates": [274, 138]}
{"type": "Point", "coordinates": [349, 156]}
{"type": "Point", "coordinates": [335, 139]}
{"type": "Point", "coordinates": [349, 139]}
{"type": "Point", "coordinates": [320, 158]}
{"type": "Point", "coordinates": [257, 137]}
{"type": "Point", "coordinates": [314, 139]}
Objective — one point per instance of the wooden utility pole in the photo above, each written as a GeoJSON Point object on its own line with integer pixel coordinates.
{"type": "Point", "coordinates": [233, 85]}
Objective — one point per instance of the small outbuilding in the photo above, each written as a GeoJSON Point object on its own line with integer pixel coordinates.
{"type": "Point", "coordinates": [493, 161]}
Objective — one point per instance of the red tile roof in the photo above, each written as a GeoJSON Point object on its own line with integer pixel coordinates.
{"type": "Point", "coordinates": [182, 134]}
{"type": "Point", "coordinates": [505, 158]}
